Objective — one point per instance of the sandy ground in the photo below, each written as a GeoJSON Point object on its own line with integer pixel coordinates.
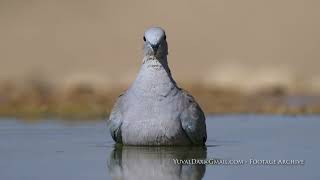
{"type": "Point", "coordinates": [89, 102]}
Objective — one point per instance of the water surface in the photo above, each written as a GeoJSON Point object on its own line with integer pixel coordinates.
{"type": "Point", "coordinates": [58, 150]}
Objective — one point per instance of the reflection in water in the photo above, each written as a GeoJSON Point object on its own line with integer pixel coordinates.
{"type": "Point", "coordinates": [130, 162]}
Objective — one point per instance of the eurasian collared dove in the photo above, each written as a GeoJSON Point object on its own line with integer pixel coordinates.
{"type": "Point", "coordinates": [154, 110]}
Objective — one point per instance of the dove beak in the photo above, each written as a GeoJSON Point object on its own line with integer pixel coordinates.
{"type": "Point", "coordinates": [155, 48]}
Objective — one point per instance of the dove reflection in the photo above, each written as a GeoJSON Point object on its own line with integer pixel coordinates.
{"type": "Point", "coordinates": [130, 162]}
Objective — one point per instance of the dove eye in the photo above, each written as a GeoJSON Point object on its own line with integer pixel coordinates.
{"type": "Point", "coordinates": [144, 38]}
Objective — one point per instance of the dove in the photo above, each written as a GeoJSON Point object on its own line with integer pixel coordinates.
{"type": "Point", "coordinates": [154, 111]}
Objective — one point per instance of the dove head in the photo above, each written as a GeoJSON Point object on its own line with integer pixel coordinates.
{"type": "Point", "coordinates": [155, 43]}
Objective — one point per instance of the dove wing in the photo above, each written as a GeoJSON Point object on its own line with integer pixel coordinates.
{"type": "Point", "coordinates": [193, 120]}
{"type": "Point", "coordinates": [115, 120]}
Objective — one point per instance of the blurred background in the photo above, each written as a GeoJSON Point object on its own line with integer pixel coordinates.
{"type": "Point", "coordinates": [72, 58]}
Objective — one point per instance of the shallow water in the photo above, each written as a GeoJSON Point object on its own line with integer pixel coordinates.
{"type": "Point", "coordinates": [58, 150]}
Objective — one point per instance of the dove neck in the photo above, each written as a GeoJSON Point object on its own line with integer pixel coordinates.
{"type": "Point", "coordinates": [157, 67]}
{"type": "Point", "coordinates": [157, 63]}
{"type": "Point", "coordinates": [154, 76]}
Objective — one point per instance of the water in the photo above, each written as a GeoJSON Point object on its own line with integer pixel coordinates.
{"type": "Point", "coordinates": [56, 150]}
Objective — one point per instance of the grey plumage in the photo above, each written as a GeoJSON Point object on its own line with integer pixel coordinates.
{"type": "Point", "coordinates": [154, 110]}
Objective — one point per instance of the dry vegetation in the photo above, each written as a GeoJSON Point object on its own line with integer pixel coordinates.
{"type": "Point", "coordinates": [82, 101]}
